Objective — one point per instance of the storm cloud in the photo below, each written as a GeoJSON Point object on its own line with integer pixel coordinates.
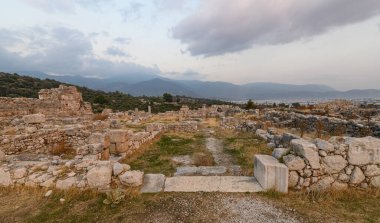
{"type": "Point", "coordinates": [223, 26]}
{"type": "Point", "coordinates": [60, 50]}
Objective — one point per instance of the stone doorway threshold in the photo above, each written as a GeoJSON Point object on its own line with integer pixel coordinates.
{"type": "Point", "coordinates": [155, 183]}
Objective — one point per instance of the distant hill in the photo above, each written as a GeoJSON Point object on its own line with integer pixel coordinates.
{"type": "Point", "coordinates": [13, 85]}
{"type": "Point", "coordinates": [156, 86]}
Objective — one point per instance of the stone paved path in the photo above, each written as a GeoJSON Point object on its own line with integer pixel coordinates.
{"type": "Point", "coordinates": [211, 184]}
{"type": "Point", "coordinates": [154, 183]}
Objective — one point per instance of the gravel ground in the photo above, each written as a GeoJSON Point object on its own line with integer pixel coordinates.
{"type": "Point", "coordinates": [254, 210]}
{"type": "Point", "coordinates": [218, 207]}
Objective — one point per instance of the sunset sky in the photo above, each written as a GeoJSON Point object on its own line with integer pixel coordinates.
{"type": "Point", "coordinates": [333, 42]}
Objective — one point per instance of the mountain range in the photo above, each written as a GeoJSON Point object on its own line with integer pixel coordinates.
{"type": "Point", "coordinates": [154, 85]}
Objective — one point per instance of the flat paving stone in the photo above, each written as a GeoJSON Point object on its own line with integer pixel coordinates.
{"type": "Point", "coordinates": [239, 184]}
{"type": "Point", "coordinates": [211, 184]}
{"type": "Point", "coordinates": [192, 184]}
{"type": "Point", "coordinates": [153, 183]}
{"type": "Point", "coordinates": [201, 170]}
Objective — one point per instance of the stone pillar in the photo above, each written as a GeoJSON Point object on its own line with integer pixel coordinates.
{"type": "Point", "coordinates": [149, 109]}
{"type": "Point", "coordinates": [270, 173]}
{"type": "Point", "coordinates": [119, 140]}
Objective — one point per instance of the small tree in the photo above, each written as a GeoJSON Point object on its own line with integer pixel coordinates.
{"type": "Point", "coordinates": [250, 104]}
{"type": "Point", "coordinates": [168, 97]}
{"type": "Point", "coordinates": [296, 105]}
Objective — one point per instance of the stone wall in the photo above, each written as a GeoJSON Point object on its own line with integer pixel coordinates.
{"type": "Point", "coordinates": [330, 125]}
{"type": "Point", "coordinates": [81, 172]}
{"type": "Point", "coordinates": [62, 101]}
{"type": "Point", "coordinates": [338, 163]}
{"type": "Point", "coordinates": [317, 164]}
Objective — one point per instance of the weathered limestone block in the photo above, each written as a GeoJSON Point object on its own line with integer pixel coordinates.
{"type": "Point", "coordinates": [375, 182]}
{"type": "Point", "coordinates": [339, 185]}
{"type": "Point", "coordinates": [30, 130]}
{"type": "Point", "coordinates": [344, 177]}
{"type": "Point", "coordinates": [288, 137]}
{"type": "Point", "coordinates": [270, 173]}
{"type": "Point", "coordinates": [132, 178]}
{"type": "Point", "coordinates": [293, 178]}
{"type": "Point", "coordinates": [117, 168]}
{"type": "Point", "coordinates": [334, 164]}
{"type": "Point", "coordinates": [323, 184]}
{"type": "Point", "coordinates": [2, 156]}
{"type": "Point", "coordinates": [324, 145]}
{"type": "Point", "coordinates": [118, 135]}
{"type": "Point", "coordinates": [363, 151]}
{"type": "Point", "coordinates": [153, 183]}
{"type": "Point", "coordinates": [294, 162]}
{"type": "Point", "coordinates": [19, 173]}
{"type": "Point", "coordinates": [66, 183]}
{"type": "Point", "coordinates": [262, 134]}
{"type": "Point", "coordinates": [121, 147]}
{"type": "Point", "coordinates": [279, 152]}
{"type": "Point", "coordinates": [34, 119]}
{"type": "Point", "coordinates": [306, 150]}
{"type": "Point", "coordinates": [5, 178]}
{"type": "Point", "coordinates": [357, 176]}
{"type": "Point", "coordinates": [99, 138]}
{"type": "Point", "coordinates": [372, 170]}
{"type": "Point", "coordinates": [100, 175]}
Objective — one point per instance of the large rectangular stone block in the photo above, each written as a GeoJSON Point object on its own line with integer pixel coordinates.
{"type": "Point", "coordinates": [118, 135]}
{"type": "Point", "coordinates": [34, 119]}
{"type": "Point", "coordinates": [270, 173]}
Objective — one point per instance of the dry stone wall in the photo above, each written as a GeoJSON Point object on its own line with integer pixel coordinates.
{"type": "Point", "coordinates": [338, 163]}
{"type": "Point", "coordinates": [62, 101]}
{"type": "Point", "coordinates": [328, 124]}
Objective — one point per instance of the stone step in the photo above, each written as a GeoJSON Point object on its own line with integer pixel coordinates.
{"type": "Point", "coordinates": [212, 184]}
{"type": "Point", "coordinates": [153, 183]}
{"type": "Point", "coordinates": [207, 171]}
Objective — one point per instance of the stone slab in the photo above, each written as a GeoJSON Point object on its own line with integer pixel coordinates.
{"type": "Point", "coordinates": [270, 173]}
{"type": "Point", "coordinates": [153, 183]}
{"type": "Point", "coordinates": [201, 170]}
{"type": "Point", "coordinates": [239, 184]}
{"type": "Point", "coordinates": [211, 184]}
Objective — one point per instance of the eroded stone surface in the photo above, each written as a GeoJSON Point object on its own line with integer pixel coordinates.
{"type": "Point", "coordinates": [211, 184]}
{"type": "Point", "coordinates": [132, 178]}
{"type": "Point", "coordinates": [153, 183]}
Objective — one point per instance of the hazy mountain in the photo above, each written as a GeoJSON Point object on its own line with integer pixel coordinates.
{"type": "Point", "coordinates": [156, 86]}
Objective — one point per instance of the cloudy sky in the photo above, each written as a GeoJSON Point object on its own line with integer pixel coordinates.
{"type": "Point", "coordinates": [333, 42]}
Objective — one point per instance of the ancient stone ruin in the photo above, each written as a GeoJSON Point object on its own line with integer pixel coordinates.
{"type": "Point", "coordinates": [61, 101]}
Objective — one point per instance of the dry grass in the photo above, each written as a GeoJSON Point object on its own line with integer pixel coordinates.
{"type": "Point", "coordinates": [210, 123]}
{"type": "Point", "coordinates": [99, 117]}
{"type": "Point", "coordinates": [30, 205]}
{"type": "Point", "coordinates": [243, 146]}
{"type": "Point", "coordinates": [203, 159]}
{"type": "Point", "coordinates": [350, 205]}
{"type": "Point", "coordinates": [157, 157]}
{"type": "Point", "coordinates": [60, 149]}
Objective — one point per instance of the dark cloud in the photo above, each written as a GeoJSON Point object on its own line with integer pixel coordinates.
{"type": "Point", "coordinates": [132, 12]}
{"type": "Point", "coordinates": [122, 40]}
{"type": "Point", "coordinates": [63, 51]}
{"type": "Point", "coordinates": [114, 51]}
{"type": "Point", "coordinates": [224, 26]}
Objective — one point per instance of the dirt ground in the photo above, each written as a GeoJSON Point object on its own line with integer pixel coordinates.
{"type": "Point", "coordinates": [32, 206]}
